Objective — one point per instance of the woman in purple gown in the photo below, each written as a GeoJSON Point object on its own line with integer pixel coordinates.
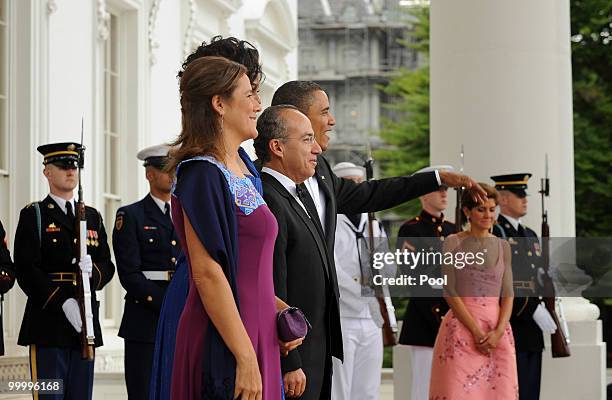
{"type": "Point", "coordinates": [174, 300]}
{"type": "Point", "coordinates": [226, 346]}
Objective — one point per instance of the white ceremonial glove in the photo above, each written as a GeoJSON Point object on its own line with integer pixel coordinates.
{"type": "Point", "coordinates": [86, 265]}
{"type": "Point", "coordinates": [542, 317]}
{"type": "Point", "coordinates": [73, 314]}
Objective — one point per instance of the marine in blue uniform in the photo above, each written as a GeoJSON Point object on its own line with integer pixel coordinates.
{"type": "Point", "coordinates": [7, 278]}
{"type": "Point", "coordinates": [423, 315]}
{"type": "Point", "coordinates": [146, 249]}
{"type": "Point", "coordinates": [529, 316]}
{"type": "Point", "coordinates": [46, 272]}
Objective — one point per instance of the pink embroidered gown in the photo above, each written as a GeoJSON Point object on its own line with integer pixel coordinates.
{"type": "Point", "coordinates": [459, 371]}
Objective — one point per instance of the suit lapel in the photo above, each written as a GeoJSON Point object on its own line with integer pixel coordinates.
{"type": "Point", "coordinates": [324, 180]}
{"type": "Point", "coordinates": [56, 213]}
{"type": "Point", "coordinates": [297, 208]}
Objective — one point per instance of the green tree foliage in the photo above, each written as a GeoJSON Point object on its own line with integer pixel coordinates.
{"type": "Point", "coordinates": [406, 130]}
{"type": "Point", "coordinates": [591, 25]}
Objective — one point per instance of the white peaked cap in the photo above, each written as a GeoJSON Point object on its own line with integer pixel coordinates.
{"type": "Point", "coordinates": [348, 169]}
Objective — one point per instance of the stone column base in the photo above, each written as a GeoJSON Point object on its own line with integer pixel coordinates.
{"type": "Point", "coordinates": [582, 376]}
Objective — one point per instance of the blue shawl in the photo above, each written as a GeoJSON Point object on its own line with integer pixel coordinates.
{"type": "Point", "coordinates": [176, 295]}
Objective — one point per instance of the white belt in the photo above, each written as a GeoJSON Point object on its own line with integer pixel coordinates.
{"type": "Point", "coordinates": [158, 275]}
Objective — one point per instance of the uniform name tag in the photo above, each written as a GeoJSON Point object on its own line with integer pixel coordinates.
{"type": "Point", "coordinates": [150, 228]}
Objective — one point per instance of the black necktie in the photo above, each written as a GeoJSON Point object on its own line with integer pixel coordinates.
{"type": "Point", "coordinates": [69, 211]}
{"type": "Point", "coordinates": [311, 209]}
{"type": "Point", "coordinates": [521, 231]}
{"type": "Point", "coordinates": [167, 212]}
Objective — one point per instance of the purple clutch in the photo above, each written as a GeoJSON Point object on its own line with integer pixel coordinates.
{"type": "Point", "coordinates": [291, 324]}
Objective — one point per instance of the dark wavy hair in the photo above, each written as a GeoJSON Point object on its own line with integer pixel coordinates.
{"type": "Point", "coordinates": [201, 131]}
{"type": "Point", "coordinates": [233, 49]}
{"type": "Point", "coordinates": [467, 199]}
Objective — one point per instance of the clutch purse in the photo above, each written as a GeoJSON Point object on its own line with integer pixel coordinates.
{"type": "Point", "coordinates": [291, 324]}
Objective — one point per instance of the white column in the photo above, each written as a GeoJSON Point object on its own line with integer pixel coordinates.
{"type": "Point", "coordinates": [501, 86]}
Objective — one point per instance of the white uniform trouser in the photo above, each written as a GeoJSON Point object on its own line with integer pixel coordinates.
{"type": "Point", "coordinates": [421, 372]}
{"type": "Point", "coordinates": [359, 376]}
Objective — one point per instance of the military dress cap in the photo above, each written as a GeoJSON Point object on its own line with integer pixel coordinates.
{"type": "Point", "coordinates": [155, 156]}
{"type": "Point", "coordinates": [432, 168]}
{"type": "Point", "coordinates": [64, 155]}
{"type": "Point", "coordinates": [343, 169]}
{"type": "Point", "coordinates": [516, 183]}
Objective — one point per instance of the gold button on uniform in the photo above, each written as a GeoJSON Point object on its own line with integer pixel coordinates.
{"type": "Point", "coordinates": [173, 242]}
{"type": "Point", "coordinates": [151, 240]}
{"type": "Point", "coordinates": [173, 259]}
{"type": "Point", "coordinates": [529, 253]}
{"type": "Point", "coordinates": [437, 309]}
{"type": "Point", "coordinates": [149, 299]}
{"type": "Point", "coordinates": [54, 240]}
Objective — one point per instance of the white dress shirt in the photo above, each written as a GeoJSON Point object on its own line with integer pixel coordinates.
{"type": "Point", "coordinates": [62, 202]}
{"type": "Point", "coordinates": [318, 197]}
{"type": "Point", "coordinates": [513, 221]}
{"type": "Point", "coordinates": [160, 203]}
{"type": "Point", "coordinates": [287, 184]}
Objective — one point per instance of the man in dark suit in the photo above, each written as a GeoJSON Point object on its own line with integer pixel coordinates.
{"type": "Point", "coordinates": [529, 315]}
{"type": "Point", "coordinates": [425, 232]}
{"type": "Point", "coordinates": [7, 278]}
{"type": "Point", "coordinates": [288, 152]}
{"type": "Point", "coordinates": [146, 249]}
{"type": "Point", "coordinates": [332, 195]}
{"type": "Point", "coordinates": [46, 272]}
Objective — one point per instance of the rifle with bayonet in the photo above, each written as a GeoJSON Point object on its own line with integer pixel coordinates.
{"type": "Point", "coordinates": [387, 309]}
{"type": "Point", "coordinates": [83, 288]}
{"type": "Point", "coordinates": [459, 191]}
{"type": "Point", "coordinates": [559, 340]}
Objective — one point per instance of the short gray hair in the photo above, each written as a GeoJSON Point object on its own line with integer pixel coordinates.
{"type": "Point", "coordinates": [270, 125]}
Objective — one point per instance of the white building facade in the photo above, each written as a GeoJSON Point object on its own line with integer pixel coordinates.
{"type": "Point", "coordinates": [114, 64]}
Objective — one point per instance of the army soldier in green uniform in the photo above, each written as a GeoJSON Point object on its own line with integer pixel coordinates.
{"type": "Point", "coordinates": [529, 315]}
{"type": "Point", "coordinates": [423, 315]}
{"type": "Point", "coordinates": [46, 271]}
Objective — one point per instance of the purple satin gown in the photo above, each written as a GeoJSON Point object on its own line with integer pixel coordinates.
{"type": "Point", "coordinates": [256, 233]}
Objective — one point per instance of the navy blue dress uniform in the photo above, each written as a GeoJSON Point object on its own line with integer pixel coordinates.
{"type": "Point", "coordinates": [46, 272]}
{"type": "Point", "coordinates": [423, 314]}
{"type": "Point", "coordinates": [7, 278]}
{"type": "Point", "coordinates": [526, 259]}
{"type": "Point", "coordinates": [146, 248]}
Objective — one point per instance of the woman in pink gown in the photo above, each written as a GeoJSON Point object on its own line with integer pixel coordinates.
{"type": "Point", "coordinates": [474, 356]}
